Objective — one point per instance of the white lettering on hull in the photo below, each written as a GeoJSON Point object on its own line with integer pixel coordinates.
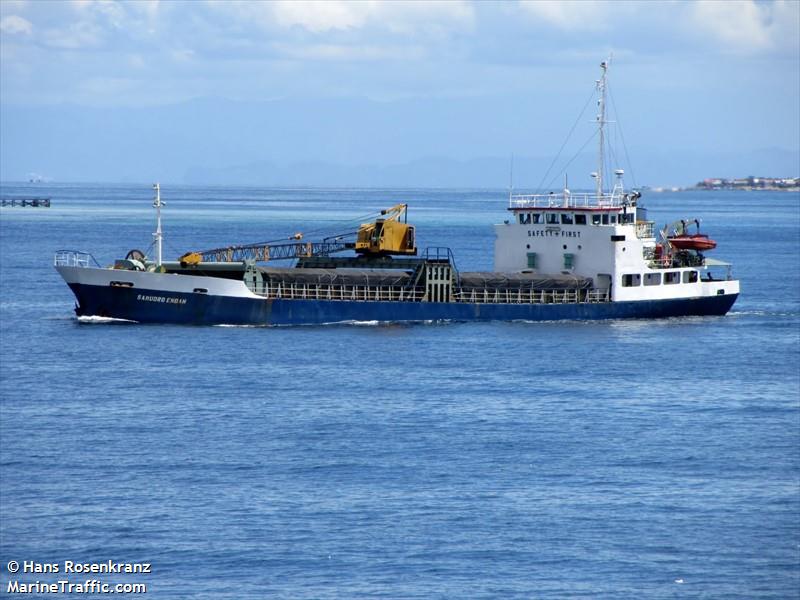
{"type": "Point", "coordinates": [163, 299]}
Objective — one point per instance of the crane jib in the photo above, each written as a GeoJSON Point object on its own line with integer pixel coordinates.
{"type": "Point", "coordinates": [267, 252]}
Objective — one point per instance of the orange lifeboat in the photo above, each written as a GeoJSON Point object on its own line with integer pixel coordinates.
{"type": "Point", "coordinates": [697, 241]}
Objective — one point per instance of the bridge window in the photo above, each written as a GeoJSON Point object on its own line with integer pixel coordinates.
{"type": "Point", "coordinates": [566, 219]}
{"type": "Point", "coordinates": [536, 218]}
{"type": "Point", "coordinates": [652, 279]}
{"type": "Point", "coordinates": [613, 219]}
{"type": "Point", "coordinates": [552, 219]}
{"type": "Point", "coordinates": [524, 218]}
{"type": "Point", "coordinates": [690, 277]}
{"type": "Point", "coordinates": [605, 218]}
{"type": "Point", "coordinates": [672, 277]}
{"type": "Point", "coordinates": [580, 219]}
{"type": "Point", "coordinates": [631, 280]}
{"type": "Point", "coordinates": [595, 219]}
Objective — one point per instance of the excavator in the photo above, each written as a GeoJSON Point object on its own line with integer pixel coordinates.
{"type": "Point", "coordinates": [383, 237]}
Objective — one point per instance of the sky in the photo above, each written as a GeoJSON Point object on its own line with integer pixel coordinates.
{"type": "Point", "coordinates": [710, 77]}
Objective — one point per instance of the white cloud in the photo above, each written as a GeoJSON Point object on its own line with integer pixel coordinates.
{"type": "Point", "coordinates": [748, 27]}
{"type": "Point", "coordinates": [317, 16]}
{"type": "Point", "coordinates": [357, 52]}
{"type": "Point", "coordinates": [328, 16]}
{"type": "Point", "coordinates": [588, 15]}
{"type": "Point", "coordinates": [737, 24]}
{"type": "Point", "coordinates": [136, 61]}
{"type": "Point", "coordinates": [82, 34]}
{"type": "Point", "coordinates": [13, 24]}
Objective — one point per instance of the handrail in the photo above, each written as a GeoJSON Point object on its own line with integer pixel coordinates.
{"type": "Point", "coordinates": [74, 258]}
{"type": "Point", "coordinates": [361, 293]}
{"type": "Point", "coordinates": [570, 200]}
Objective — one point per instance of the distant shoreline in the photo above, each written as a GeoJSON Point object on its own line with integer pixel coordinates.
{"type": "Point", "coordinates": [749, 184]}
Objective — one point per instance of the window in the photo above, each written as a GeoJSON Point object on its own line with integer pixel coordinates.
{"type": "Point", "coordinates": [672, 277]}
{"type": "Point", "coordinates": [690, 277]}
{"type": "Point", "coordinates": [580, 219]}
{"type": "Point", "coordinates": [652, 279]}
{"type": "Point", "coordinates": [569, 261]}
{"type": "Point", "coordinates": [536, 218]}
{"type": "Point", "coordinates": [605, 218]}
{"type": "Point", "coordinates": [524, 218]}
{"type": "Point", "coordinates": [531, 260]}
{"type": "Point", "coordinates": [552, 219]}
{"type": "Point", "coordinates": [613, 219]}
{"type": "Point", "coordinates": [595, 219]}
{"type": "Point", "coordinates": [631, 280]}
{"type": "Point", "coordinates": [566, 219]}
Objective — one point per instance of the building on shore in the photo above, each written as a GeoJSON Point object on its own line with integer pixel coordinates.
{"type": "Point", "coordinates": [751, 183]}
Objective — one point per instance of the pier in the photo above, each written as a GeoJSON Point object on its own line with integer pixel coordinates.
{"type": "Point", "coordinates": [34, 202]}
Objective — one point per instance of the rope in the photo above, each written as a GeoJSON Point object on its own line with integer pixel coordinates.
{"type": "Point", "coordinates": [560, 150]}
{"type": "Point", "coordinates": [622, 136]}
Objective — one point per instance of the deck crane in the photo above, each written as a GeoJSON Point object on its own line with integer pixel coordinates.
{"type": "Point", "coordinates": [387, 236]}
{"type": "Point", "coordinates": [383, 237]}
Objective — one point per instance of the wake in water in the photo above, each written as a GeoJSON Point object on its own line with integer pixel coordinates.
{"type": "Point", "coordinates": [96, 319]}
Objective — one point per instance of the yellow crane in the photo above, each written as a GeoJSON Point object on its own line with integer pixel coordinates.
{"type": "Point", "coordinates": [383, 237]}
{"type": "Point", "coordinates": [387, 235]}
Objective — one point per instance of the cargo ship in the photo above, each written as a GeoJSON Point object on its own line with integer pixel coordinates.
{"type": "Point", "coordinates": [564, 255]}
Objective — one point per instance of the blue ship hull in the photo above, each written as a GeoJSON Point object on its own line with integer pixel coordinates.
{"type": "Point", "coordinates": [200, 309]}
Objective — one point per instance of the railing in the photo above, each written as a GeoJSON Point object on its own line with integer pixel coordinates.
{"type": "Point", "coordinates": [360, 293]}
{"type": "Point", "coordinates": [565, 201]}
{"type": "Point", "coordinates": [74, 258]}
{"type": "Point", "coordinates": [645, 229]}
{"type": "Point", "coordinates": [528, 296]}
{"type": "Point", "coordinates": [363, 293]}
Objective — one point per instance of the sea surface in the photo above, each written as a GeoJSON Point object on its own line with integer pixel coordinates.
{"type": "Point", "coordinates": [617, 459]}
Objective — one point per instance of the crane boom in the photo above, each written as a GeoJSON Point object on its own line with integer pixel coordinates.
{"type": "Point", "coordinates": [264, 252]}
{"type": "Point", "coordinates": [394, 213]}
{"type": "Point", "coordinates": [383, 237]}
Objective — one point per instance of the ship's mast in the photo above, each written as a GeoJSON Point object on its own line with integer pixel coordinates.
{"type": "Point", "coordinates": [601, 122]}
{"type": "Point", "coordinates": [157, 204]}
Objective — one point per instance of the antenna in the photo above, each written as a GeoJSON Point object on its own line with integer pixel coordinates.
{"type": "Point", "coordinates": [157, 204]}
{"type": "Point", "coordinates": [601, 122]}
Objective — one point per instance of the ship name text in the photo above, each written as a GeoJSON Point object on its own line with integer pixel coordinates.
{"type": "Point", "coordinates": [164, 299]}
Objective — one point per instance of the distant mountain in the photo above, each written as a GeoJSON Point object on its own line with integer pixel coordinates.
{"type": "Point", "coordinates": [436, 142]}
{"type": "Point", "coordinates": [656, 170]}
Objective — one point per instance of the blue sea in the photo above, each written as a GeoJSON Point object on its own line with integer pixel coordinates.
{"type": "Point", "coordinates": [617, 459]}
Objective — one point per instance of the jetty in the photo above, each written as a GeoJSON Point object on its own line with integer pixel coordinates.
{"type": "Point", "coordinates": [26, 201]}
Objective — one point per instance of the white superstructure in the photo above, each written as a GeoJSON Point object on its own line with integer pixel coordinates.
{"type": "Point", "coordinates": [605, 236]}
